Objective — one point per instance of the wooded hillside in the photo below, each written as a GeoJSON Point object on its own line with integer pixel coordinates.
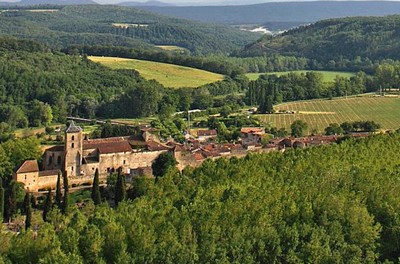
{"type": "Point", "coordinates": [120, 26]}
{"type": "Point", "coordinates": [336, 40]}
{"type": "Point", "coordinates": [320, 205]}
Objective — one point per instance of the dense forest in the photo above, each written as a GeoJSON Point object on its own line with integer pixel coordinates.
{"type": "Point", "coordinates": [346, 39]}
{"type": "Point", "coordinates": [121, 26]}
{"type": "Point", "coordinates": [324, 204]}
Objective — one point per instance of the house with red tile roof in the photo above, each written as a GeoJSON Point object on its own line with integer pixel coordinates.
{"type": "Point", "coordinates": [251, 136]}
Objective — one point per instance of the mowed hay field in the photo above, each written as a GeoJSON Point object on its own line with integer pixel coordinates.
{"type": "Point", "coordinates": [320, 113]}
{"type": "Point", "coordinates": [329, 76]}
{"type": "Point", "coordinates": [169, 75]}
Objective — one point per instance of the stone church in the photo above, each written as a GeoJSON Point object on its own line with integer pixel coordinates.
{"type": "Point", "coordinates": [78, 158]}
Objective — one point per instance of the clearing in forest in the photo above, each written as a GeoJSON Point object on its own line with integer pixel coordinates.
{"type": "Point", "coordinates": [169, 75]}
{"type": "Point", "coordinates": [171, 48]}
{"type": "Point", "coordinates": [329, 76]}
{"type": "Point", "coordinates": [320, 113]}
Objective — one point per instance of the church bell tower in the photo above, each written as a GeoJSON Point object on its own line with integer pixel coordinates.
{"type": "Point", "coordinates": [73, 150]}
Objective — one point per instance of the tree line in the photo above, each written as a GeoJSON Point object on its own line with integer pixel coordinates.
{"type": "Point", "coordinates": [272, 89]}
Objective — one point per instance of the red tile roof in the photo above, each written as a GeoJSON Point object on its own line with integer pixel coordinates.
{"type": "Point", "coordinates": [56, 148]}
{"type": "Point", "coordinates": [155, 146]}
{"type": "Point", "coordinates": [114, 147]}
{"type": "Point", "coordinates": [252, 130]}
{"type": "Point", "coordinates": [95, 143]}
{"type": "Point", "coordinates": [28, 166]}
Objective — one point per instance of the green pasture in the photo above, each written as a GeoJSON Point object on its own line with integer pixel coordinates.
{"type": "Point", "coordinates": [169, 75]}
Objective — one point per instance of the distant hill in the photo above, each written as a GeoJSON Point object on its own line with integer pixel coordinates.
{"type": "Point", "coordinates": [49, 2]}
{"type": "Point", "coordinates": [148, 3]}
{"type": "Point", "coordinates": [120, 26]}
{"type": "Point", "coordinates": [336, 39]}
{"type": "Point", "coordinates": [299, 12]}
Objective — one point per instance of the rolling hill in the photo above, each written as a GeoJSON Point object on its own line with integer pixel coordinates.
{"type": "Point", "coordinates": [169, 75]}
{"type": "Point", "coordinates": [120, 26]}
{"type": "Point", "coordinates": [291, 13]}
{"type": "Point", "coordinates": [48, 2]}
{"type": "Point", "coordinates": [336, 40]}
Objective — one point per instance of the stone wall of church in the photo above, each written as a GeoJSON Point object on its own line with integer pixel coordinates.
{"type": "Point", "coordinates": [144, 159]}
{"type": "Point", "coordinates": [53, 160]}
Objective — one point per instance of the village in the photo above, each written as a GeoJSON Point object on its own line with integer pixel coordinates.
{"type": "Point", "coordinates": [79, 158]}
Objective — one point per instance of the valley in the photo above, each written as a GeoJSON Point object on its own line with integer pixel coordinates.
{"type": "Point", "coordinates": [173, 134]}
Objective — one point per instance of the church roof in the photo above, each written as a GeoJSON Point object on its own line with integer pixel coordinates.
{"type": "Point", "coordinates": [114, 147]}
{"type": "Point", "coordinates": [28, 166]}
{"type": "Point", "coordinates": [73, 128]}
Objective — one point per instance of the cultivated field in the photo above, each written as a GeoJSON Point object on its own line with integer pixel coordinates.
{"type": "Point", "coordinates": [320, 113]}
{"type": "Point", "coordinates": [169, 75]}
{"type": "Point", "coordinates": [329, 76]}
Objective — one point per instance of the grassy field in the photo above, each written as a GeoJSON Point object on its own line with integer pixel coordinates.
{"type": "Point", "coordinates": [320, 113]}
{"type": "Point", "coordinates": [169, 75]}
{"type": "Point", "coordinates": [171, 48]}
{"type": "Point", "coordinates": [329, 76]}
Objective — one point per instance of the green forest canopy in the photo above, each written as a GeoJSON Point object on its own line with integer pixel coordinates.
{"type": "Point", "coordinates": [324, 204]}
{"type": "Point", "coordinates": [335, 40]}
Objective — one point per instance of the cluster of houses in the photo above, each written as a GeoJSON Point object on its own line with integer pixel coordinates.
{"type": "Point", "coordinates": [79, 158]}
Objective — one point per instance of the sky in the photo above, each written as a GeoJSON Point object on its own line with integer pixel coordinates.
{"type": "Point", "coordinates": [211, 2]}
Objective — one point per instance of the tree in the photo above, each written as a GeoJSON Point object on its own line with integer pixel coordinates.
{"type": "Point", "coordinates": [95, 189]}
{"type": "Point", "coordinates": [334, 129]}
{"type": "Point", "coordinates": [1, 201]}
{"type": "Point", "coordinates": [120, 188]}
{"type": "Point", "coordinates": [28, 211]}
{"type": "Point", "coordinates": [65, 204]}
{"type": "Point", "coordinates": [47, 205]}
{"type": "Point", "coordinates": [163, 163]}
{"type": "Point", "coordinates": [11, 203]}
{"type": "Point", "coordinates": [58, 191]}
{"type": "Point", "coordinates": [298, 128]}
{"type": "Point", "coordinates": [91, 243]}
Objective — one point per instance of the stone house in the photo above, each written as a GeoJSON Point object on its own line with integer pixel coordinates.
{"type": "Point", "coordinates": [251, 136]}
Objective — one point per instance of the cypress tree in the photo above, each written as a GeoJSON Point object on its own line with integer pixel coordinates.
{"type": "Point", "coordinates": [95, 189]}
{"type": "Point", "coordinates": [1, 201]}
{"type": "Point", "coordinates": [66, 196]}
{"type": "Point", "coordinates": [11, 203]}
{"type": "Point", "coordinates": [120, 188]}
{"type": "Point", "coordinates": [47, 205]}
{"type": "Point", "coordinates": [58, 191]}
{"type": "Point", "coordinates": [28, 211]}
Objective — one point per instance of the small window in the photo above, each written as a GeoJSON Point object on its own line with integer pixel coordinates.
{"type": "Point", "coordinates": [72, 145]}
{"type": "Point", "coordinates": [92, 168]}
{"type": "Point", "coordinates": [59, 160]}
{"type": "Point", "coordinates": [50, 160]}
{"type": "Point", "coordinates": [124, 162]}
{"type": "Point", "coordinates": [25, 177]}
{"type": "Point", "coordinates": [73, 137]}
{"type": "Point", "coordinates": [72, 168]}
